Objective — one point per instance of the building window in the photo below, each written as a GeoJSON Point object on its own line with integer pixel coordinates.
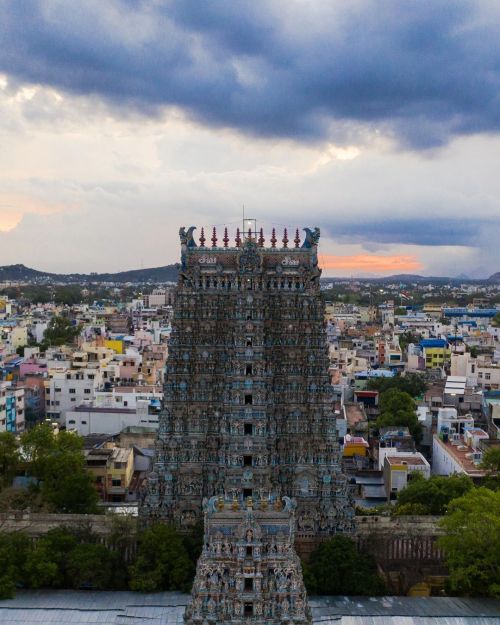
{"type": "Point", "coordinates": [248, 399]}
{"type": "Point", "coordinates": [247, 461]}
{"type": "Point", "coordinates": [248, 611]}
{"type": "Point", "coordinates": [86, 391]}
{"type": "Point", "coordinates": [248, 583]}
{"type": "Point", "coordinates": [83, 422]}
{"type": "Point", "coordinates": [248, 370]}
{"type": "Point", "coordinates": [249, 341]}
{"type": "Point", "coordinates": [248, 429]}
{"type": "Point", "coordinates": [115, 482]}
{"type": "Point", "coordinates": [487, 376]}
{"type": "Point", "coordinates": [72, 391]}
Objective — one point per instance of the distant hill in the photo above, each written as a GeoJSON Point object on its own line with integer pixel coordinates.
{"type": "Point", "coordinates": [404, 277]}
{"type": "Point", "coordinates": [168, 273]}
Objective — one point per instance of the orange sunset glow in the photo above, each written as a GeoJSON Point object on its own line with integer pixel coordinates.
{"type": "Point", "coordinates": [370, 262]}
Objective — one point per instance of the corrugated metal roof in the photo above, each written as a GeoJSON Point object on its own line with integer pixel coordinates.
{"type": "Point", "coordinates": [167, 608]}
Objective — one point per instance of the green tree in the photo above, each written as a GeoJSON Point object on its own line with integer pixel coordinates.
{"type": "Point", "coordinates": [193, 542]}
{"type": "Point", "coordinates": [412, 383]}
{"type": "Point", "coordinates": [13, 552]}
{"type": "Point", "coordinates": [20, 499]}
{"type": "Point", "coordinates": [162, 561]}
{"type": "Point", "coordinates": [472, 543]}
{"type": "Point", "coordinates": [337, 568]}
{"type": "Point", "coordinates": [404, 340]}
{"type": "Point", "coordinates": [60, 331]}
{"type": "Point", "coordinates": [431, 496]}
{"type": "Point", "coordinates": [57, 461]}
{"type": "Point", "coordinates": [70, 558]}
{"type": "Point", "coordinates": [397, 408]}
{"type": "Point", "coordinates": [496, 320]}
{"type": "Point", "coordinates": [9, 458]}
{"type": "Point", "coordinates": [68, 295]}
{"type": "Point", "coordinates": [491, 459]}
{"type": "Point", "coordinates": [37, 294]}
{"type": "Point", "coordinates": [90, 566]}
{"type": "Point", "coordinates": [491, 462]}
{"type": "Point", "coordinates": [67, 486]}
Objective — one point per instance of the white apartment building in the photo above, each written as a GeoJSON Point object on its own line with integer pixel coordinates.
{"type": "Point", "coordinates": [479, 371]}
{"type": "Point", "coordinates": [65, 389]}
{"type": "Point", "coordinates": [398, 468]}
{"type": "Point", "coordinates": [459, 453]}
{"type": "Point", "coordinates": [92, 419]}
{"type": "Point", "coordinates": [123, 397]}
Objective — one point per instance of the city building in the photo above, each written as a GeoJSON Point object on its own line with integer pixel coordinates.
{"type": "Point", "coordinates": [398, 469]}
{"type": "Point", "coordinates": [113, 470]}
{"type": "Point", "coordinates": [436, 353]}
{"type": "Point", "coordinates": [12, 412]}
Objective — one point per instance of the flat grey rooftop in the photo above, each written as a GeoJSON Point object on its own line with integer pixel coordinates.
{"type": "Point", "coordinates": [70, 607]}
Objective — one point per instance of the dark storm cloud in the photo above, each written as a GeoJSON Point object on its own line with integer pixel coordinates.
{"type": "Point", "coordinates": [414, 231]}
{"type": "Point", "coordinates": [423, 70]}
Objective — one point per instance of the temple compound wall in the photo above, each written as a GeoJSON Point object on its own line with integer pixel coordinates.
{"type": "Point", "coordinates": [405, 548]}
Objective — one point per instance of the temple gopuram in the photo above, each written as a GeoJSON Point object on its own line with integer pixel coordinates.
{"type": "Point", "coordinates": [248, 423]}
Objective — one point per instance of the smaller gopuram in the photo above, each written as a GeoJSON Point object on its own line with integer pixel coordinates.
{"type": "Point", "coordinates": [248, 571]}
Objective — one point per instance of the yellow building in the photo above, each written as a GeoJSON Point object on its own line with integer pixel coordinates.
{"type": "Point", "coordinates": [355, 446]}
{"type": "Point", "coordinates": [436, 352]}
{"type": "Point", "coordinates": [113, 469]}
{"type": "Point", "coordinates": [115, 344]}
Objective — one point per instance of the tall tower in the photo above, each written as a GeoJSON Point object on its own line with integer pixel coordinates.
{"type": "Point", "coordinates": [248, 408]}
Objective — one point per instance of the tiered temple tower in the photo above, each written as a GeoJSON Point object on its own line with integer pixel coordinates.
{"type": "Point", "coordinates": [248, 570]}
{"type": "Point", "coordinates": [248, 409]}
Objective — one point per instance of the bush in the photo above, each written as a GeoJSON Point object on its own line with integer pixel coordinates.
{"type": "Point", "coordinates": [431, 496]}
{"type": "Point", "coordinates": [337, 568]}
{"type": "Point", "coordinates": [472, 543]}
{"type": "Point", "coordinates": [162, 561]}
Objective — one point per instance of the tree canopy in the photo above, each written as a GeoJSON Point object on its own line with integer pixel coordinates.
{"type": "Point", "coordinates": [60, 331]}
{"type": "Point", "coordinates": [58, 463]}
{"type": "Point", "coordinates": [491, 459]}
{"type": "Point", "coordinates": [13, 553]}
{"type": "Point", "coordinates": [431, 496]}
{"type": "Point", "coordinates": [162, 561]}
{"type": "Point", "coordinates": [397, 408]}
{"type": "Point", "coordinates": [337, 568]}
{"type": "Point", "coordinates": [74, 557]}
{"type": "Point", "coordinates": [491, 462]}
{"type": "Point", "coordinates": [9, 458]}
{"type": "Point", "coordinates": [472, 543]}
{"type": "Point", "coordinates": [412, 383]}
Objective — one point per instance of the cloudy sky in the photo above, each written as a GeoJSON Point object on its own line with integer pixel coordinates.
{"type": "Point", "coordinates": [377, 120]}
